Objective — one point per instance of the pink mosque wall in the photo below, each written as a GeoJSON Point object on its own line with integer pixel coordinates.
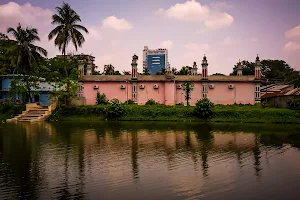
{"type": "Point", "coordinates": [150, 93]}
{"type": "Point", "coordinates": [243, 93]}
{"type": "Point", "coordinates": [112, 90]}
{"type": "Point", "coordinates": [168, 94]}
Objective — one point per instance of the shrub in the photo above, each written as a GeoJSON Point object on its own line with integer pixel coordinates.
{"type": "Point", "coordinates": [151, 102]}
{"type": "Point", "coordinates": [101, 99]}
{"type": "Point", "coordinates": [294, 104]}
{"type": "Point", "coordinates": [114, 110]}
{"type": "Point", "coordinates": [263, 104]}
{"type": "Point", "coordinates": [179, 104]}
{"type": "Point", "coordinates": [129, 101]}
{"type": "Point", "coordinates": [203, 108]}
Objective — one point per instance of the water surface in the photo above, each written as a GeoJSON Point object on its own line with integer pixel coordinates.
{"type": "Point", "coordinates": [149, 161]}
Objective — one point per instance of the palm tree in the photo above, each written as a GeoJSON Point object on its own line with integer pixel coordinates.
{"type": "Point", "coordinates": [25, 56]}
{"type": "Point", "coordinates": [22, 51]}
{"type": "Point", "coordinates": [109, 69]}
{"type": "Point", "coordinates": [146, 71]}
{"type": "Point", "coordinates": [67, 29]}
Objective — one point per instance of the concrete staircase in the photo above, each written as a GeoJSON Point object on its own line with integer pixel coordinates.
{"type": "Point", "coordinates": [34, 113]}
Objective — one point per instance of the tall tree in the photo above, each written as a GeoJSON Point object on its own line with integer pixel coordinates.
{"type": "Point", "coordinates": [4, 61]}
{"type": "Point", "coordinates": [272, 70]}
{"type": "Point", "coordinates": [161, 72]}
{"type": "Point", "coordinates": [67, 29]}
{"type": "Point", "coordinates": [25, 56]}
{"type": "Point", "coordinates": [188, 87]}
{"type": "Point", "coordinates": [109, 69]}
{"type": "Point", "coordinates": [185, 70]}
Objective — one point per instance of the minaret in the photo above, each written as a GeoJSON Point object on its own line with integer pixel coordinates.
{"type": "Point", "coordinates": [134, 75]}
{"type": "Point", "coordinates": [239, 69]}
{"type": "Point", "coordinates": [194, 69]}
{"type": "Point", "coordinates": [257, 68]}
{"type": "Point", "coordinates": [169, 73]}
{"type": "Point", "coordinates": [81, 68]}
{"type": "Point", "coordinates": [134, 64]}
{"type": "Point", "coordinates": [204, 67]}
{"type": "Point", "coordinates": [257, 77]}
{"type": "Point", "coordinates": [89, 70]}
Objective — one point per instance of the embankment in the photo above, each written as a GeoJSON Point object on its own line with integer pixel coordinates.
{"type": "Point", "coordinates": [221, 113]}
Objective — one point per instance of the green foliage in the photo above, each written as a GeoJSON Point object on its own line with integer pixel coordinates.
{"type": "Point", "coordinates": [151, 102]}
{"type": "Point", "coordinates": [54, 69]}
{"type": "Point", "coordinates": [126, 72]}
{"type": "Point", "coordinates": [23, 54]}
{"type": "Point", "coordinates": [101, 99]}
{"type": "Point", "coordinates": [188, 87]}
{"type": "Point", "coordinates": [221, 113]}
{"type": "Point", "coordinates": [129, 101]}
{"type": "Point", "coordinates": [185, 70]}
{"type": "Point", "coordinates": [64, 91]}
{"type": "Point", "coordinates": [204, 108]}
{"type": "Point", "coordinates": [263, 104]}
{"type": "Point", "coordinates": [25, 86]}
{"type": "Point", "coordinates": [162, 72]}
{"type": "Point", "coordinates": [8, 110]}
{"type": "Point", "coordinates": [294, 104]}
{"type": "Point", "coordinates": [110, 70]}
{"type": "Point", "coordinates": [273, 70]}
{"type": "Point", "coordinates": [114, 110]}
{"type": "Point", "coordinates": [67, 29]}
{"type": "Point", "coordinates": [5, 44]}
{"type": "Point", "coordinates": [146, 71]}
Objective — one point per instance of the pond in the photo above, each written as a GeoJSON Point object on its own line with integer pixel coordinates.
{"type": "Point", "coordinates": [137, 160]}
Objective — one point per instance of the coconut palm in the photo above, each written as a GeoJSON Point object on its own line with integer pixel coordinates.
{"type": "Point", "coordinates": [67, 29]}
{"type": "Point", "coordinates": [24, 55]}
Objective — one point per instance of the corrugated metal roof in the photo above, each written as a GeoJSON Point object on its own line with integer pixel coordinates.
{"type": "Point", "coordinates": [275, 88]}
{"type": "Point", "coordinates": [295, 91]}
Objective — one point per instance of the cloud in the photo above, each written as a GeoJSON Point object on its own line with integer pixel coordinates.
{"type": "Point", "coordinates": [114, 23]}
{"type": "Point", "coordinates": [292, 46]}
{"type": "Point", "coordinates": [168, 44]}
{"type": "Point", "coordinates": [193, 11]}
{"type": "Point", "coordinates": [230, 41]}
{"type": "Point", "coordinates": [12, 13]}
{"type": "Point", "coordinates": [293, 33]}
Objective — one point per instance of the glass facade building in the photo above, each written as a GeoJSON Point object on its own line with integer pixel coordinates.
{"type": "Point", "coordinates": [155, 63]}
{"type": "Point", "coordinates": [154, 60]}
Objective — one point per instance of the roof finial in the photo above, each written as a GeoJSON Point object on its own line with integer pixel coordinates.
{"type": "Point", "coordinates": [257, 58]}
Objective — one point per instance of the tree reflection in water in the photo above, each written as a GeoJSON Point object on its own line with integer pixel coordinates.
{"type": "Point", "coordinates": [26, 150]}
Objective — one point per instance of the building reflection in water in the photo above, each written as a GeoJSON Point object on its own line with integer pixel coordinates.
{"type": "Point", "coordinates": [70, 161]}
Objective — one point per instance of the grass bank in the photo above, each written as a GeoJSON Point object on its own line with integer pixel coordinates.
{"type": "Point", "coordinates": [221, 113]}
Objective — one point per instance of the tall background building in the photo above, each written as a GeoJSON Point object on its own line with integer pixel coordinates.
{"type": "Point", "coordinates": [155, 60]}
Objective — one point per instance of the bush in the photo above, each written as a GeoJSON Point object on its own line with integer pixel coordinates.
{"type": "Point", "coordinates": [294, 104]}
{"type": "Point", "coordinates": [101, 99]}
{"type": "Point", "coordinates": [151, 102]}
{"type": "Point", "coordinates": [129, 101]}
{"type": "Point", "coordinates": [203, 108]}
{"type": "Point", "coordinates": [115, 110]}
{"type": "Point", "coordinates": [11, 110]}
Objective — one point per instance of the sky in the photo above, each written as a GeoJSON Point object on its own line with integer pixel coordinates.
{"type": "Point", "coordinates": [225, 31]}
